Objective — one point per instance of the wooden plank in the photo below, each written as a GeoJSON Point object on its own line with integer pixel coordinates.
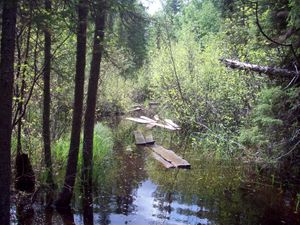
{"type": "Point", "coordinates": [150, 125]}
{"type": "Point", "coordinates": [165, 163]}
{"type": "Point", "coordinates": [149, 138]}
{"type": "Point", "coordinates": [139, 138]}
{"type": "Point", "coordinates": [165, 126]}
{"type": "Point", "coordinates": [170, 122]}
{"type": "Point", "coordinates": [138, 120]}
{"type": "Point", "coordinates": [171, 157]}
{"type": "Point", "coordinates": [135, 109]}
{"type": "Point", "coordinates": [156, 117]}
{"type": "Point", "coordinates": [147, 118]}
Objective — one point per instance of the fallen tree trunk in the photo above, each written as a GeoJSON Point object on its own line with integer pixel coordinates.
{"type": "Point", "coordinates": [268, 70]}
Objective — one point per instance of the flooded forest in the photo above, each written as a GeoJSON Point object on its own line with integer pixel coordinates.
{"type": "Point", "coordinates": [150, 112]}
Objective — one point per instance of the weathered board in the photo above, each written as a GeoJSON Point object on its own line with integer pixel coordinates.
{"type": "Point", "coordinates": [139, 138]}
{"type": "Point", "coordinates": [138, 120]}
{"type": "Point", "coordinates": [171, 157]}
{"type": "Point", "coordinates": [147, 118]}
{"type": "Point", "coordinates": [170, 122]}
{"type": "Point", "coordinates": [156, 117]}
{"type": "Point", "coordinates": [150, 125]}
{"type": "Point", "coordinates": [165, 163]}
{"type": "Point", "coordinates": [149, 138]}
{"type": "Point", "coordinates": [165, 126]}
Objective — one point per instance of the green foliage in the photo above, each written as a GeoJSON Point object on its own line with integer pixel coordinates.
{"type": "Point", "coordinates": [294, 16]}
{"type": "Point", "coordinates": [270, 121]}
{"type": "Point", "coordinates": [201, 19]}
{"type": "Point", "coordinates": [102, 146]}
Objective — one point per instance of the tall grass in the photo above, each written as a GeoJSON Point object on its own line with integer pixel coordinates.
{"type": "Point", "coordinates": [102, 147]}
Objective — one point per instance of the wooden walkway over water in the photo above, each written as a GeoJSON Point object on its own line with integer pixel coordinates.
{"type": "Point", "coordinates": [168, 158]}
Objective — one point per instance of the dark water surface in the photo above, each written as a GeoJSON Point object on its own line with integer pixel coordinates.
{"type": "Point", "coordinates": [132, 188]}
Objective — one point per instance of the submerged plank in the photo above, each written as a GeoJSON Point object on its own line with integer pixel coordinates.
{"type": "Point", "coordinates": [139, 138]}
{"type": "Point", "coordinates": [171, 157]}
{"type": "Point", "coordinates": [165, 163]}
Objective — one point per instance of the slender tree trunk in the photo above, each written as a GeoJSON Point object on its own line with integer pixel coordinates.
{"type": "Point", "coordinates": [89, 117]}
{"type": "Point", "coordinates": [47, 101]}
{"type": "Point", "coordinates": [67, 192]}
{"type": "Point", "coordinates": [20, 90]}
{"type": "Point", "coordinates": [6, 87]}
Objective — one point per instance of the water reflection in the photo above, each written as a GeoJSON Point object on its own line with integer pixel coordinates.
{"type": "Point", "coordinates": [67, 217]}
{"type": "Point", "coordinates": [87, 204]}
{"type": "Point", "coordinates": [132, 188]}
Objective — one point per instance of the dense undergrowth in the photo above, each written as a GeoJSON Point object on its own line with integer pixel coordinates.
{"type": "Point", "coordinates": [173, 58]}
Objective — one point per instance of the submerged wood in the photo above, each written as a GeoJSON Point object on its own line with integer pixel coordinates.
{"type": "Point", "coordinates": [165, 163]}
{"type": "Point", "coordinates": [171, 157]}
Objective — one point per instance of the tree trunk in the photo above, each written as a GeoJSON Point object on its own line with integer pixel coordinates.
{"type": "Point", "coordinates": [46, 103]}
{"type": "Point", "coordinates": [91, 101]}
{"type": "Point", "coordinates": [270, 71]}
{"type": "Point", "coordinates": [67, 192]}
{"type": "Point", "coordinates": [6, 87]}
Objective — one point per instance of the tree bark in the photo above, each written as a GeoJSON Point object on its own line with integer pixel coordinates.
{"type": "Point", "coordinates": [47, 102]}
{"type": "Point", "coordinates": [268, 70]}
{"type": "Point", "coordinates": [6, 87]}
{"type": "Point", "coordinates": [91, 101]}
{"type": "Point", "coordinates": [70, 177]}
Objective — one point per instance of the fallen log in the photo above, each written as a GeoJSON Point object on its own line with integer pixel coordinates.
{"type": "Point", "coordinates": [268, 70]}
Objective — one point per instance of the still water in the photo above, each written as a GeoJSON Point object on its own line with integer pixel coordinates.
{"type": "Point", "coordinates": [132, 188]}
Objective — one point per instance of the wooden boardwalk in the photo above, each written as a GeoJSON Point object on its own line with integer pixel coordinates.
{"type": "Point", "coordinates": [170, 157]}
{"type": "Point", "coordinates": [160, 159]}
{"type": "Point", "coordinates": [140, 139]}
{"type": "Point", "coordinates": [167, 123]}
{"type": "Point", "coordinates": [166, 157]}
